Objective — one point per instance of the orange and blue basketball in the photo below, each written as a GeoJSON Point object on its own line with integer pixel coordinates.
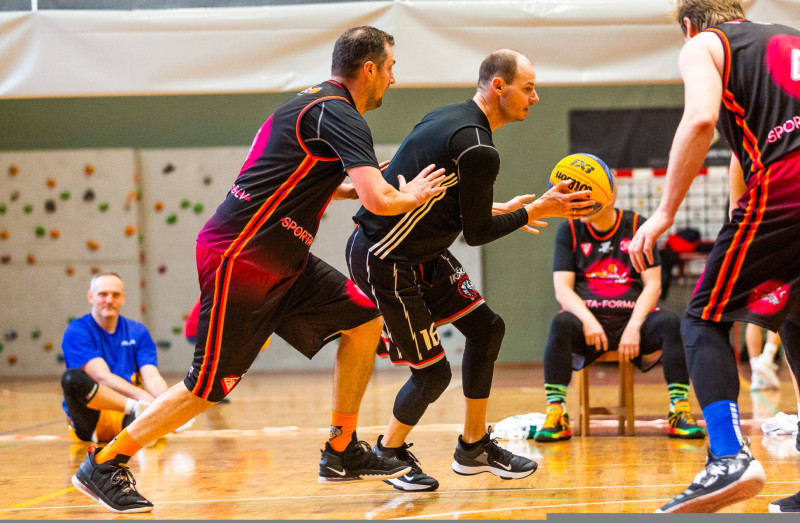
{"type": "Point", "coordinates": [588, 173]}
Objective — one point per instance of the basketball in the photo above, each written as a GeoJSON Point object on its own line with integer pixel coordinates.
{"type": "Point", "coordinates": [588, 173]}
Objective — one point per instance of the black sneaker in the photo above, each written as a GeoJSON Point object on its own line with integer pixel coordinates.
{"type": "Point", "coordinates": [110, 483]}
{"type": "Point", "coordinates": [415, 480]}
{"type": "Point", "coordinates": [725, 480]}
{"type": "Point", "coordinates": [790, 504]}
{"type": "Point", "coordinates": [357, 462]}
{"type": "Point", "coordinates": [488, 456]}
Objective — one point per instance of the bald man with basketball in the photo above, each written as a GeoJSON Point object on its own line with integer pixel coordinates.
{"type": "Point", "coordinates": [404, 265]}
{"type": "Point", "coordinates": [744, 78]}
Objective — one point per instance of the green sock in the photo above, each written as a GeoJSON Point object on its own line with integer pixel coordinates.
{"type": "Point", "coordinates": [555, 393]}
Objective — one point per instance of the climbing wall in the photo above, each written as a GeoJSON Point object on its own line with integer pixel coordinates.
{"type": "Point", "coordinates": [64, 215]}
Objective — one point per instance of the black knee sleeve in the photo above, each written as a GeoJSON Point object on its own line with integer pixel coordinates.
{"type": "Point", "coordinates": [422, 388]}
{"type": "Point", "coordinates": [78, 385]}
{"type": "Point", "coordinates": [484, 331]}
{"type": "Point", "coordinates": [711, 360]}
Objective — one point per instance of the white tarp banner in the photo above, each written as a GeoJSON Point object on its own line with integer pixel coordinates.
{"type": "Point", "coordinates": [288, 47]}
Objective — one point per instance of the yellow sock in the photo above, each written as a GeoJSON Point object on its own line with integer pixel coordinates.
{"type": "Point", "coordinates": [123, 444]}
{"type": "Point", "coordinates": [342, 428]}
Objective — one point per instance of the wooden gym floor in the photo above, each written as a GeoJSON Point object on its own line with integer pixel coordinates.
{"type": "Point", "coordinates": [257, 456]}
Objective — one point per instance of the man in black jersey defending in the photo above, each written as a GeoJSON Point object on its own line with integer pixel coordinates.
{"type": "Point", "coordinates": [258, 277]}
{"type": "Point", "coordinates": [743, 77]}
{"type": "Point", "coordinates": [404, 265]}
{"type": "Point", "coordinates": [606, 305]}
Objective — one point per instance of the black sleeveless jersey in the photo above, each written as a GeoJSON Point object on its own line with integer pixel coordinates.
{"type": "Point", "coordinates": [760, 114]}
{"type": "Point", "coordinates": [457, 137]}
{"type": "Point", "coordinates": [604, 275]}
{"type": "Point", "coordinates": [297, 161]}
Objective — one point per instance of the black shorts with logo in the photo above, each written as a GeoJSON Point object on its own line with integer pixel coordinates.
{"type": "Point", "coordinates": [414, 298]}
{"type": "Point", "coordinates": [241, 306]}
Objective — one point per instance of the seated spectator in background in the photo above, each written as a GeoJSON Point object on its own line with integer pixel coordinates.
{"type": "Point", "coordinates": [606, 305]}
{"type": "Point", "coordinates": [112, 373]}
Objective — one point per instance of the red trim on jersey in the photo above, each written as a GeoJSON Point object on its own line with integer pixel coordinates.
{"type": "Point", "coordinates": [300, 117]}
{"type": "Point", "coordinates": [610, 233]}
{"type": "Point", "coordinates": [268, 207]}
{"type": "Point", "coordinates": [214, 337]}
{"type": "Point", "coordinates": [754, 214]}
{"type": "Point", "coordinates": [574, 238]}
{"type": "Point", "coordinates": [749, 141]}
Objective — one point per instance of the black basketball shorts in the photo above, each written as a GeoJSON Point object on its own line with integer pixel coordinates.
{"type": "Point", "coordinates": [242, 305]}
{"type": "Point", "coordinates": [415, 298]}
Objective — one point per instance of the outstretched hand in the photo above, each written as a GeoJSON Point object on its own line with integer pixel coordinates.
{"type": "Point", "coordinates": [515, 203]}
{"type": "Point", "coordinates": [643, 242]}
{"type": "Point", "coordinates": [424, 186]}
{"type": "Point", "coordinates": [559, 201]}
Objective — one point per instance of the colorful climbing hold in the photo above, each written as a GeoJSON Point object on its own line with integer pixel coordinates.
{"type": "Point", "coordinates": [55, 234]}
{"type": "Point", "coordinates": [88, 169]}
{"type": "Point", "coordinates": [198, 208]}
{"type": "Point", "coordinates": [130, 230]}
{"type": "Point", "coordinates": [172, 218]}
{"type": "Point", "coordinates": [31, 259]}
{"type": "Point", "coordinates": [88, 196]}
{"type": "Point", "coordinates": [28, 208]}
{"type": "Point", "coordinates": [159, 206]}
{"type": "Point", "coordinates": [51, 182]}
{"type": "Point", "coordinates": [13, 170]}
{"type": "Point", "coordinates": [40, 231]}
{"type": "Point", "coordinates": [65, 195]}
{"type": "Point", "coordinates": [50, 206]}
{"type": "Point", "coordinates": [185, 204]}
{"type": "Point", "coordinates": [4, 234]}
{"type": "Point", "coordinates": [70, 271]}
{"type": "Point", "coordinates": [103, 206]}
{"type": "Point", "coordinates": [92, 245]}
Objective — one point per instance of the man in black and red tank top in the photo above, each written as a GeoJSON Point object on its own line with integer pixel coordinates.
{"type": "Point", "coordinates": [257, 275]}
{"type": "Point", "coordinates": [744, 77]}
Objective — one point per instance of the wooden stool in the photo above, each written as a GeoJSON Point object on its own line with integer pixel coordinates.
{"type": "Point", "coordinates": [623, 411]}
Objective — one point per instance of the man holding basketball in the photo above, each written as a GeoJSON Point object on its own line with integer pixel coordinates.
{"type": "Point", "coordinates": [404, 265]}
{"type": "Point", "coordinates": [743, 77]}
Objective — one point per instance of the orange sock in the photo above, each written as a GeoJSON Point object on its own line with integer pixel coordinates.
{"type": "Point", "coordinates": [123, 444]}
{"type": "Point", "coordinates": [342, 428]}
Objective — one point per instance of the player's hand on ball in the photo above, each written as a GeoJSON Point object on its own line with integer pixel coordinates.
{"type": "Point", "coordinates": [559, 201]}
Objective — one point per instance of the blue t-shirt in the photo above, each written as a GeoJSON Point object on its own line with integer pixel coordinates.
{"type": "Point", "coordinates": [125, 351]}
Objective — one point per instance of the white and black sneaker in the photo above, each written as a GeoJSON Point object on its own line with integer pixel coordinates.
{"type": "Point", "coordinates": [725, 480]}
{"type": "Point", "coordinates": [487, 456]}
{"type": "Point", "coordinates": [111, 484]}
{"type": "Point", "coordinates": [357, 462]}
{"type": "Point", "coordinates": [790, 504]}
{"type": "Point", "coordinates": [415, 480]}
